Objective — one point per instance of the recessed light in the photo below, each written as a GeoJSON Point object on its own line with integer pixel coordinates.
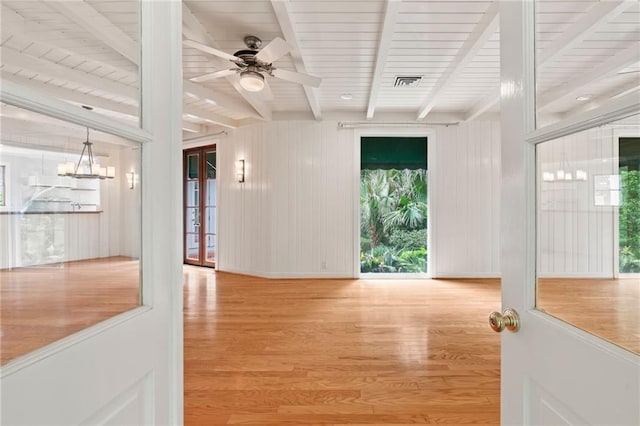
{"type": "Point", "coordinates": [583, 98]}
{"type": "Point", "coordinates": [346, 96]}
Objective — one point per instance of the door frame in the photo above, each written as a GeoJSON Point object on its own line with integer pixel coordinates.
{"type": "Point", "coordinates": [129, 344]}
{"type": "Point", "coordinates": [202, 169]}
{"type": "Point", "coordinates": [430, 135]}
{"type": "Point", "coordinates": [542, 337]}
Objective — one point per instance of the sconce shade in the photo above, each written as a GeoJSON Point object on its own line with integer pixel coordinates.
{"type": "Point", "coordinates": [240, 170]}
{"type": "Point", "coordinates": [131, 179]}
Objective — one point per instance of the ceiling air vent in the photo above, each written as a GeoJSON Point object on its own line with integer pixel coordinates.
{"type": "Point", "coordinates": [407, 81]}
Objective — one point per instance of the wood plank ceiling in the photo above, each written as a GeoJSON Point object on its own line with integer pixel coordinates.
{"type": "Point", "coordinates": [85, 52]}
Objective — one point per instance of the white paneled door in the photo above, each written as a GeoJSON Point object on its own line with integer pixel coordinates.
{"type": "Point", "coordinates": [126, 370]}
{"type": "Point", "coordinates": [552, 372]}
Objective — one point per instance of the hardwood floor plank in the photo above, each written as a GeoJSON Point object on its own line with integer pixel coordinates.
{"type": "Point", "coordinates": [303, 352]}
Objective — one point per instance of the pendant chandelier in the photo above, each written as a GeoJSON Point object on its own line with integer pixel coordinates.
{"type": "Point", "coordinates": [86, 167]}
{"type": "Point", "coordinates": [565, 173]}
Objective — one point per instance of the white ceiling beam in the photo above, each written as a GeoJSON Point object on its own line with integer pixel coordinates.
{"type": "Point", "coordinates": [92, 21]}
{"type": "Point", "coordinates": [33, 125]}
{"type": "Point", "coordinates": [483, 105]}
{"type": "Point", "coordinates": [390, 18]}
{"type": "Point", "coordinates": [220, 99]}
{"type": "Point", "coordinates": [600, 14]}
{"type": "Point", "coordinates": [282, 9]}
{"type": "Point", "coordinates": [40, 34]}
{"type": "Point", "coordinates": [620, 92]}
{"type": "Point", "coordinates": [129, 112]}
{"type": "Point", "coordinates": [11, 57]}
{"type": "Point", "coordinates": [190, 127]}
{"type": "Point", "coordinates": [194, 29]}
{"type": "Point", "coordinates": [73, 96]}
{"type": "Point", "coordinates": [13, 27]}
{"type": "Point", "coordinates": [210, 117]}
{"type": "Point", "coordinates": [477, 39]}
{"type": "Point", "coordinates": [616, 63]}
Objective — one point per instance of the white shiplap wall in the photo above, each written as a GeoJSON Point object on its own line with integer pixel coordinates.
{"type": "Point", "coordinates": [466, 199]}
{"type": "Point", "coordinates": [293, 217]}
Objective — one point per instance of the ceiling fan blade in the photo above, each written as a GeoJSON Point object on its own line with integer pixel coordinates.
{"type": "Point", "coordinates": [213, 75]}
{"type": "Point", "coordinates": [266, 92]}
{"type": "Point", "coordinates": [273, 51]}
{"type": "Point", "coordinates": [210, 50]}
{"type": "Point", "coordinates": [297, 77]}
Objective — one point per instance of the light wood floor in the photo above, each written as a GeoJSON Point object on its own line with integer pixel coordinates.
{"type": "Point", "coordinates": [294, 352]}
{"type": "Point", "coordinates": [326, 352]}
{"type": "Point", "coordinates": [43, 304]}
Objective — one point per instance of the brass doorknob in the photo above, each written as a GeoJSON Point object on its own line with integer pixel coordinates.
{"type": "Point", "coordinates": [509, 319]}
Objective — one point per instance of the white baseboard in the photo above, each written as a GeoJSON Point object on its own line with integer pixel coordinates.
{"type": "Point", "coordinates": [581, 275]}
{"type": "Point", "coordinates": [288, 275]}
{"type": "Point", "coordinates": [467, 275]}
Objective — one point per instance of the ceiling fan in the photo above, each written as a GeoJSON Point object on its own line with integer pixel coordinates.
{"type": "Point", "coordinates": [252, 64]}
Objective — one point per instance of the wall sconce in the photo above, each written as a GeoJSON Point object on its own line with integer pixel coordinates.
{"type": "Point", "coordinates": [131, 179]}
{"type": "Point", "coordinates": [240, 170]}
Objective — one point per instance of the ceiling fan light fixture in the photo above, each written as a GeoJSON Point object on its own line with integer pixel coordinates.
{"type": "Point", "coordinates": [251, 81]}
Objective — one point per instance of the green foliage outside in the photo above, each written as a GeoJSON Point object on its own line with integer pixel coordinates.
{"type": "Point", "coordinates": [393, 218]}
{"type": "Point", "coordinates": [630, 221]}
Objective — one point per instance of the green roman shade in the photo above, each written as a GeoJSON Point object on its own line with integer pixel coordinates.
{"type": "Point", "coordinates": [192, 166]}
{"type": "Point", "coordinates": [393, 153]}
{"type": "Point", "coordinates": [630, 153]}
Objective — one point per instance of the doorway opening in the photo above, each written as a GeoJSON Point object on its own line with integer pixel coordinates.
{"type": "Point", "coordinates": [629, 210]}
{"type": "Point", "coordinates": [200, 204]}
{"type": "Point", "coordinates": [393, 205]}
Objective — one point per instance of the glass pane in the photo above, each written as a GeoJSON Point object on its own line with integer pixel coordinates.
{"type": "Point", "coordinates": [192, 246]}
{"type": "Point", "coordinates": [586, 54]}
{"type": "Point", "coordinates": [211, 165]}
{"type": "Point", "coordinates": [193, 219]}
{"type": "Point", "coordinates": [69, 230]}
{"type": "Point", "coordinates": [193, 166]}
{"type": "Point", "coordinates": [192, 194]}
{"type": "Point", "coordinates": [393, 221]}
{"type": "Point", "coordinates": [48, 47]}
{"type": "Point", "coordinates": [588, 230]}
{"type": "Point", "coordinates": [210, 209]}
{"type": "Point", "coordinates": [211, 248]}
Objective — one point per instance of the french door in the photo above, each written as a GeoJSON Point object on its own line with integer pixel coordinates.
{"type": "Point", "coordinates": [200, 206]}
{"type": "Point", "coordinates": [554, 370]}
{"type": "Point", "coordinates": [126, 370]}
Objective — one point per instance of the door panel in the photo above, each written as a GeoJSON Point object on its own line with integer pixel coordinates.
{"type": "Point", "coordinates": [551, 371]}
{"type": "Point", "coordinates": [128, 369]}
{"type": "Point", "coordinates": [209, 212]}
{"type": "Point", "coordinates": [200, 206]}
{"type": "Point", "coordinates": [192, 203]}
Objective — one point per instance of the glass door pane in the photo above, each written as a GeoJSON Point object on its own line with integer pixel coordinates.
{"type": "Point", "coordinates": [588, 215]}
{"type": "Point", "coordinates": [192, 209]}
{"type": "Point", "coordinates": [210, 208]}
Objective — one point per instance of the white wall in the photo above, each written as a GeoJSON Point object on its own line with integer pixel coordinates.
{"type": "Point", "coordinates": [466, 199]}
{"type": "Point", "coordinates": [294, 215]}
